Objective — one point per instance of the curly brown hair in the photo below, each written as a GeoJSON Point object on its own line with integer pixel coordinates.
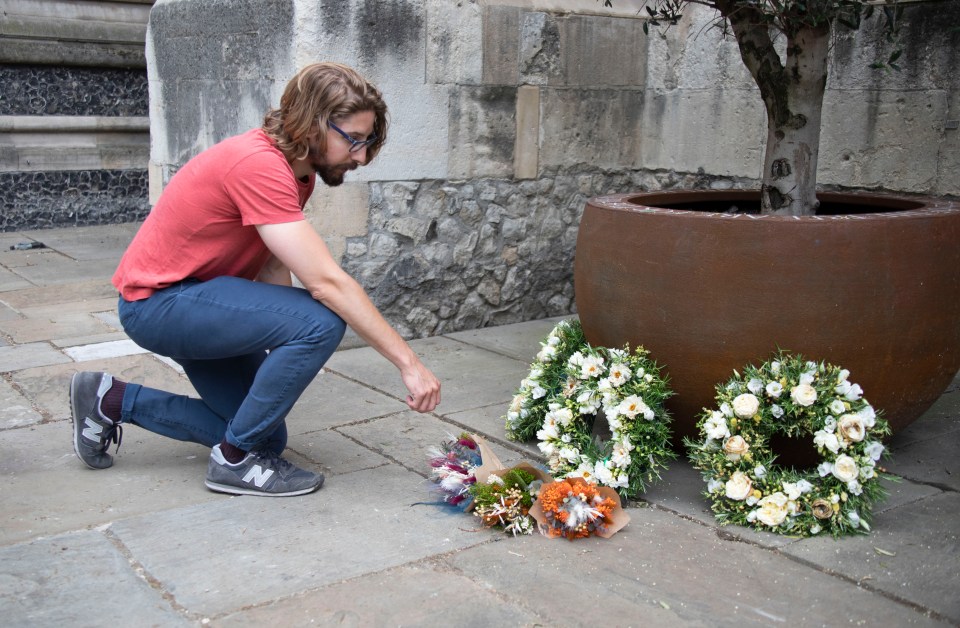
{"type": "Point", "coordinates": [318, 94]}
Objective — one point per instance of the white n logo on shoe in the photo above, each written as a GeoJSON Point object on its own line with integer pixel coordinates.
{"type": "Point", "coordinates": [258, 475]}
{"type": "Point", "coordinates": [92, 430]}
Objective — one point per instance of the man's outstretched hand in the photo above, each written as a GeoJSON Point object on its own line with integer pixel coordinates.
{"type": "Point", "coordinates": [424, 388]}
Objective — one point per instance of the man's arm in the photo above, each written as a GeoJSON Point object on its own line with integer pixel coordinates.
{"type": "Point", "coordinates": [300, 248]}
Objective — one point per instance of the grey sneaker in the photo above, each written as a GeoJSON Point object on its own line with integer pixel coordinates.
{"type": "Point", "coordinates": [92, 432]}
{"type": "Point", "coordinates": [260, 473]}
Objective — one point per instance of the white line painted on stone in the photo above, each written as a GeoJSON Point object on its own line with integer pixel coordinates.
{"type": "Point", "coordinates": [101, 350]}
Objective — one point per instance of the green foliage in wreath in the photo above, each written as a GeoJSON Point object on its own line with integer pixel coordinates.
{"type": "Point", "coordinates": [569, 385]}
{"type": "Point", "coordinates": [795, 397]}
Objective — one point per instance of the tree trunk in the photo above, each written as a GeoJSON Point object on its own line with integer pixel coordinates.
{"type": "Point", "coordinates": [792, 93]}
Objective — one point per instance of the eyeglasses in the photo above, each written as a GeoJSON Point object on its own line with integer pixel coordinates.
{"type": "Point", "coordinates": [355, 145]}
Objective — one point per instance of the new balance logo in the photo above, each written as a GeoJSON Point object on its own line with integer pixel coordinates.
{"type": "Point", "coordinates": [258, 475]}
{"type": "Point", "coordinates": [92, 430]}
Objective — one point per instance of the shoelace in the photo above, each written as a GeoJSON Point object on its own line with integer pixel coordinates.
{"type": "Point", "coordinates": [114, 436]}
{"type": "Point", "coordinates": [274, 460]}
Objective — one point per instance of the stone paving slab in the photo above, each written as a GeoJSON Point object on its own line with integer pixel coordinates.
{"type": "Point", "coordinates": [488, 421]}
{"type": "Point", "coordinates": [904, 556]}
{"type": "Point", "coordinates": [520, 341]}
{"type": "Point", "coordinates": [17, 357]}
{"type": "Point", "coordinates": [12, 281]}
{"type": "Point", "coordinates": [414, 595]}
{"type": "Point", "coordinates": [55, 325]}
{"type": "Point", "coordinates": [288, 545]}
{"type": "Point", "coordinates": [48, 388]}
{"type": "Point", "coordinates": [53, 269]}
{"type": "Point", "coordinates": [77, 579]}
{"type": "Point", "coordinates": [88, 243]}
{"type": "Point", "coordinates": [335, 454]}
{"type": "Point", "coordinates": [17, 410]}
{"type": "Point", "coordinates": [76, 292]}
{"type": "Point", "coordinates": [407, 437]}
{"type": "Point", "coordinates": [470, 377]}
{"type": "Point", "coordinates": [665, 571]}
{"type": "Point", "coordinates": [332, 400]}
{"type": "Point", "coordinates": [150, 473]}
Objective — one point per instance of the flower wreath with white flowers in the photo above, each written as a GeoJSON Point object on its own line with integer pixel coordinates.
{"type": "Point", "coordinates": [569, 385]}
{"type": "Point", "coordinates": [794, 397]}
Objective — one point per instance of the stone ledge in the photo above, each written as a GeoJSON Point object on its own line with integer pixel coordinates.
{"type": "Point", "coordinates": [97, 33]}
{"type": "Point", "coordinates": [67, 124]}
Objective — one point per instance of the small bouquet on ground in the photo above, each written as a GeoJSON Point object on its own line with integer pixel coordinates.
{"type": "Point", "coordinates": [575, 508]}
{"type": "Point", "coordinates": [453, 464]}
{"type": "Point", "coordinates": [505, 498]}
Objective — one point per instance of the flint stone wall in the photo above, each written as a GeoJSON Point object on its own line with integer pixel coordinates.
{"type": "Point", "coordinates": [74, 134]}
{"type": "Point", "coordinates": [506, 115]}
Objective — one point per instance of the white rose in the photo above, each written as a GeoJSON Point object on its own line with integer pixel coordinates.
{"type": "Point", "coordinates": [874, 450]}
{"type": "Point", "coordinates": [845, 468]}
{"type": "Point", "coordinates": [803, 394]}
{"type": "Point", "coordinates": [561, 414]}
{"type": "Point", "coordinates": [854, 392]}
{"type": "Point", "coordinates": [746, 405]}
{"type": "Point", "coordinates": [738, 486]}
{"type": "Point", "coordinates": [837, 407]}
{"type": "Point", "coordinates": [792, 490]}
{"type": "Point", "coordinates": [826, 440]}
{"type": "Point", "coordinates": [735, 447]}
{"type": "Point", "coordinates": [869, 416]}
{"type": "Point", "coordinates": [773, 509]}
{"type": "Point", "coordinates": [569, 453]}
{"type": "Point", "coordinates": [603, 474]}
{"type": "Point", "coordinates": [547, 353]}
{"type": "Point", "coordinates": [774, 389]}
{"type": "Point", "coordinates": [716, 426]}
{"type": "Point", "coordinates": [852, 428]}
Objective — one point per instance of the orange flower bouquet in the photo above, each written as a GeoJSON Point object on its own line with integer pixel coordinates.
{"type": "Point", "coordinates": [575, 508]}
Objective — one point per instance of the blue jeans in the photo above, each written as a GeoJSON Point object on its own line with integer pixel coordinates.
{"type": "Point", "coordinates": [250, 349]}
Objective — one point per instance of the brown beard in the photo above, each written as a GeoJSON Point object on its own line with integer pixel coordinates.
{"type": "Point", "coordinates": [332, 176]}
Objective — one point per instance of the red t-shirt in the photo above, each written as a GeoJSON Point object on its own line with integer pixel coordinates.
{"type": "Point", "coordinates": [204, 224]}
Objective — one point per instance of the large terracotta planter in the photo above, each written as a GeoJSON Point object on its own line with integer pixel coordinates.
{"type": "Point", "coordinates": [871, 284]}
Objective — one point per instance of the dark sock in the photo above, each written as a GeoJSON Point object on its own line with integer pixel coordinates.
{"type": "Point", "coordinates": [232, 454]}
{"type": "Point", "coordinates": [112, 403]}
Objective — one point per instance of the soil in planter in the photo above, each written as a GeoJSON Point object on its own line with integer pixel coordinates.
{"type": "Point", "coordinates": [747, 206]}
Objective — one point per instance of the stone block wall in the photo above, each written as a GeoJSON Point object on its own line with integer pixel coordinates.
{"type": "Point", "coordinates": [74, 131]}
{"type": "Point", "coordinates": [506, 115]}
